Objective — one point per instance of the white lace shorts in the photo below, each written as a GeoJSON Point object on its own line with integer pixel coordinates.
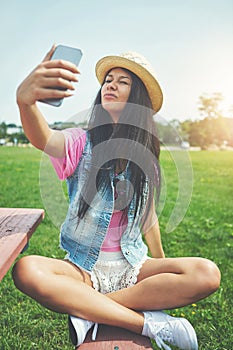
{"type": "Point", "coordinates": [113, 272]}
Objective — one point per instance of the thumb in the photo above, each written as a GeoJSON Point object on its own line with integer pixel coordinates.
{"type": "Point", "coordinates": [49, 54]}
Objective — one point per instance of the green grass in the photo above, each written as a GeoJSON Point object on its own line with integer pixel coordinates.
{"type": "Point", "coordinates": [206, 230]}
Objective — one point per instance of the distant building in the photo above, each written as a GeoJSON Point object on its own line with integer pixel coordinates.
{"type": "Point", "coordinates": [14, 130]}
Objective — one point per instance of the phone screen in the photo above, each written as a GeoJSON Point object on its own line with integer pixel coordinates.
{"type": "Point", "coordinates": [66, 53]}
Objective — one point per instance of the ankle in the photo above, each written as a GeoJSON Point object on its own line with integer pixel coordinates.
{"type": "Point", "coordinates": [141, 322]}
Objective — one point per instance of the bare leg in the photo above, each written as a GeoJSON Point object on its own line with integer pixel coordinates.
{"type": "Point", "coordinates": [170, 283]}
{"type": "Point", "coordinates": [62, 287]}
{"type": "Point", "coordinates": [162, 284]}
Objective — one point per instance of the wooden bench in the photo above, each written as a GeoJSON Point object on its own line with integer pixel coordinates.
{"type": "Point", "coordinates": [114, 338]}
{"type": "Point", "coordinates": [16, 227]}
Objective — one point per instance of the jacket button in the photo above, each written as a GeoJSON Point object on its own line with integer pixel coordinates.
{"type": "Point", "coordinates": [127, 252]}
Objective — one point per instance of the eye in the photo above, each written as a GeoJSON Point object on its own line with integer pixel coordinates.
{"type": "Point", "coordinates": [124, 82]}
{"type": "Point", "coordinates": [108, 80]}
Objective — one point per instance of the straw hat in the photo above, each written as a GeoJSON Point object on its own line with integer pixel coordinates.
{"type": "Point", "coordinates": [137, 64]}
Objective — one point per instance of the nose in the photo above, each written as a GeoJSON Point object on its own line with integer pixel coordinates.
{"type": "Point", "coordinates": [111, 85]}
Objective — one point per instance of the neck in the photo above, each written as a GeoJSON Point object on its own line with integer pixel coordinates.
{"type": "Point", "coordinates": [115, 117]}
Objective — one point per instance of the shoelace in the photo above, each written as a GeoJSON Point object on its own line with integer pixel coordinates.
{"type": "Point", "coordinates": [94, 333]}
{"type": "Point", "coordinates": [160, 343]}
{"type": "Point", "coordinates": [157, 337]}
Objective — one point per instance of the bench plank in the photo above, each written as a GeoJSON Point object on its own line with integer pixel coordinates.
{"type": "Point", "coordinates": [115, 338]}
{"type": "Point", "coordinates": [16, 227]}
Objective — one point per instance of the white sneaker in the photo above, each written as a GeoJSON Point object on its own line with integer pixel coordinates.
{"type": "Point", "coordinates": [78, 329]}
{"type": "Point", "coordinates": [176, 331]}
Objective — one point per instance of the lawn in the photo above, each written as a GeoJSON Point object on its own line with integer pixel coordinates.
{"type": "Point", "coordinates": [206, 229]}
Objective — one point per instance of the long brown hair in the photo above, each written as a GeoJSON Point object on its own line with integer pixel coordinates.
{"type": "Point", "coordinates": [135, 125]}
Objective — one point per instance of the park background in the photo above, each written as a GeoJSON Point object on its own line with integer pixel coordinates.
{"type": "Point", "coordinates": [189, 42]}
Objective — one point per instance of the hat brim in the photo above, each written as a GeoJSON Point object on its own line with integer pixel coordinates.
{"type": "Point", "coordinates": [105, 64]}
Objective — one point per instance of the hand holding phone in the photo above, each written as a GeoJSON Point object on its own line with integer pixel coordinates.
{"type": "Point", "coordinates": [66, 53]}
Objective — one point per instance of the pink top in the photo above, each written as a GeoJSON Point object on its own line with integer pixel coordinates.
{"type": "Point", "coordinates": [75, 139]}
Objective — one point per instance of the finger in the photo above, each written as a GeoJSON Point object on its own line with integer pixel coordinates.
{"type": "Point", "coordinates": [56, 83]}
{"type": "Point", "coordinates": [49, 54]}
{"type": "Point", "coordinates": [59, 63]}
{"type": "Point", "coordinates": [46, 93]}
{"type": "Point", "coordinates": [60, 72]}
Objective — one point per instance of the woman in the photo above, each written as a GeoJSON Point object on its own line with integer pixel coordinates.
{"type": "Point", "coordinates": [112, 171]}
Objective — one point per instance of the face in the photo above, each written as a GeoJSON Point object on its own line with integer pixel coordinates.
{"type": "Point", "coordinates": [115, 92]}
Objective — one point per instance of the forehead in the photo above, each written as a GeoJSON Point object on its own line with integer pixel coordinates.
{"type": "Point", "coordinates": [120, 72]}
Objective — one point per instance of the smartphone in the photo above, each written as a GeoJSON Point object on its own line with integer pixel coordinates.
{"type": "Point", "coordinates": [66, 53]}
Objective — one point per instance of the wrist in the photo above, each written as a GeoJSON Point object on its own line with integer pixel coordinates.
{"type": "Point", "coordinates": [23, 106]}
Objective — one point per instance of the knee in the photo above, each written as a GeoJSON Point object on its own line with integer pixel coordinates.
{"type": "Point", "coordinates": [26, 274]}
{"type": "Point", "coordinates": [208, 276]}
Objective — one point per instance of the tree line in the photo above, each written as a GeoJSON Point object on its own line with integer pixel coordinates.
{"type": "Point", "coordinates": [211, 129]}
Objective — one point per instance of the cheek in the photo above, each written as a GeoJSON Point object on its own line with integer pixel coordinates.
{"type": "Point", "coordinates": [127, 93]}
{"type": "Point", "coordinates": [102, 93]}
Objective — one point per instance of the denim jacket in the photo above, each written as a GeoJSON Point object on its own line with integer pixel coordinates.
{"type": "Point", "coordinates": [83, 238]}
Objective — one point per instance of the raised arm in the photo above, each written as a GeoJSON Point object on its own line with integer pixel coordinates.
{"type": "Point", "coordinates": [37, 86]}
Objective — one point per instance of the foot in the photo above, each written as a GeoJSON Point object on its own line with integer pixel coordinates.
{"type": "Point", "coordinates": [78, 329]}
{"type": "Point", "coordinates": [176, 331]}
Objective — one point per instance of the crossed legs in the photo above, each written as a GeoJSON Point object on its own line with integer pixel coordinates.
{"type": "Point", "coordinates": [162, 284]}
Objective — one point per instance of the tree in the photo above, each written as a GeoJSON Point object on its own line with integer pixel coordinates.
{"type": "Point", "coordinates": [169, 132]}
{"type": "Point", "coordinates": [209, 105]}
{"type": "Point", "coordinates": [213, 128]}
{"type": "Point", "coordinates": [3, 130]}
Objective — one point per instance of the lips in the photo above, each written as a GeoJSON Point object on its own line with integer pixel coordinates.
{"type": "Point", "coordinates": [109, 96]}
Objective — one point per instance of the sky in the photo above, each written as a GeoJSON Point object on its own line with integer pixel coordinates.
{"type": "Point", "coordinates": [188, 42]}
